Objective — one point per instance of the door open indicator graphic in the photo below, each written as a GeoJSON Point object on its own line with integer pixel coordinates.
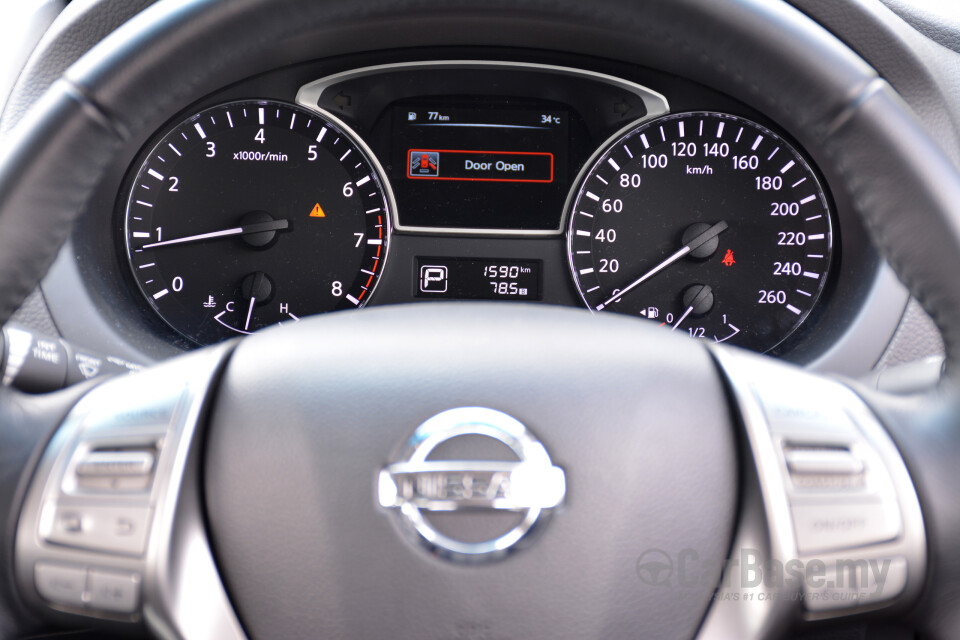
{"type": "Point", "coordinates": [480, 166]}
{"type": "Point", "coordinates": [424, 163]}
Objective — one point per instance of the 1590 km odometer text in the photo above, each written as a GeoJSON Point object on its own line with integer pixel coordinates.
{"type": "Point", "coordinates": [706, 223]}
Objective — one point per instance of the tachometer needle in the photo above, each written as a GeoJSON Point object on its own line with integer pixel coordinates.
{"type": "Point", "coordinates": [698, 240]}
{"type": "Point", "coordinates": [257, 227]}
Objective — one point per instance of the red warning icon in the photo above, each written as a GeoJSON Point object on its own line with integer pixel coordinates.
{"type": "Point", "coordinates": [728, 260]}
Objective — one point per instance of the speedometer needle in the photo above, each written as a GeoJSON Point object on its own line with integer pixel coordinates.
{"type": "Point", "coordinates": [257, 227]}
{"type": "Point", "coordinates": [697, 241]}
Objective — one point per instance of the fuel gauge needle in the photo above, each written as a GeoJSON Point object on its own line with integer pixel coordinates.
{"type": "Point", "coordinates": [698, 240]}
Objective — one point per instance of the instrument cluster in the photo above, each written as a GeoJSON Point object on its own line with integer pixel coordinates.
{"type": "Point", "coordinates": [471, 180]}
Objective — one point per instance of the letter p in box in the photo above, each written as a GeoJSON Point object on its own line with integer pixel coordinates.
{"type": "Point", "coordinates": [433, 278]}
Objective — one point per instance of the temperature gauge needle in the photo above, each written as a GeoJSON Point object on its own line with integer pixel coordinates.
{"type": "Point", "coordinates": [257, 227]}
{"type": "Point", "coordinates": [246, 325]}
{"type": "Point", "coordinates": [696, 242]}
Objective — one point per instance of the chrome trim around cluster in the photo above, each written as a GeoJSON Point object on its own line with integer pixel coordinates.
{"type": "Point", "coordinates": [655, 103]}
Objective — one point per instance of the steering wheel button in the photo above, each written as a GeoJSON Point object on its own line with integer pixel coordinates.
{"type": "Point", "coordinates": [889, 581]}
{"type": "Point", "coordinates": [116, 463]}
{"type": "Point", "coordinates": [799, 415]}
{"type": "Point", "coordinates": [114, 484]}
{"type": "Point", "coordinates": [832, 527]}
{"type": "Point", "coordinates": [113, 591]}
{"type": "Point", "coordinates": [120, 406]}
{"type": "Point", "coordinates": [858, 582]}
{"type": "Point", "coordinates": [121, 530]}
{"type": "Point", "coordinates": [116, 471]}
{"type": "Point", "coordinates": [822, 461]}
{"type": "Point", "coordinates": [61, 584]}
{"type": "Point", "coordinates": [71, 522]}
{"type": "Point", "coordinates": [824, 468]}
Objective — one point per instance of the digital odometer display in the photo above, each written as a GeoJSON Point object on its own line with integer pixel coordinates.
{"type": "Point", "coordinates": [478, 279]}
{"type": "Point", "coordinates": [479, 167]}
{"type": "Point", "coordinates": [705, 223]}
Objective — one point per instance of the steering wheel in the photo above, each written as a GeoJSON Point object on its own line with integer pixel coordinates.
{"type": "Point", "coordinates": [481, 471]}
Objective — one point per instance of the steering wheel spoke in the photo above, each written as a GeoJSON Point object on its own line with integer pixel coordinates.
{"type": "Point", "coordinates": [845, 527]}
{"type": "Point", "coordinates": [112, 527]}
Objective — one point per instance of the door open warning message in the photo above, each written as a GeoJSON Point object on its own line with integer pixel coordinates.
{"type": "Point", "coordinates": [484, 166]}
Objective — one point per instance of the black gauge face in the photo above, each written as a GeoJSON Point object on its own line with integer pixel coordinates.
{"type": "Point", "coordinates": [254, 213]}
{"type": "Point", "coordinates": [705, 223]}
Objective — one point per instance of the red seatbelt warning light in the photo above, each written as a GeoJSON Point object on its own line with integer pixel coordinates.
{"type": "Point", "coordinates": [728, 260]}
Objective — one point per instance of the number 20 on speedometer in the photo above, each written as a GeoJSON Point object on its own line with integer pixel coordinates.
{"type": "Point", "coordinates": [706, 223]}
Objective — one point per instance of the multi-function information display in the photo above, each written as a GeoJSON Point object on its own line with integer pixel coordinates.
{"type": "Point", "coordinates": [478, 279]}
{"type": "Point", "coordinates": [484, 167]}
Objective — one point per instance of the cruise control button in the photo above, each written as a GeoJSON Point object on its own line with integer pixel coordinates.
{"type": "Point", "coordinates": [60, 584]}
{"type": "Point", "coordinates": [822, 461]}
{"type": "Point", "coordinates": [824, 468]}
{"type": "Point", "coordinates": [116, 463]}
{"type": "Point", "coordinates": [793, 417]}
{"type": "Point", "coordinates": [123, 407]}
{"type": "Point", "coordinates": [831, 527]}
{"type": "Point", "coordinates": [116, 471]}
{"type": "Point", "coordinates": [113, 591]}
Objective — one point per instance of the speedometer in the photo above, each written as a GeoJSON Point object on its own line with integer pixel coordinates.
{"type": "Point", "coordinates": [705, 223]}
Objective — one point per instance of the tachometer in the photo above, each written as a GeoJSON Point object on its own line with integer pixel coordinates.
{"type": "Point", "coordinates": [254, 213]}
{"type": "Point", "coordinates": [706, 223]}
